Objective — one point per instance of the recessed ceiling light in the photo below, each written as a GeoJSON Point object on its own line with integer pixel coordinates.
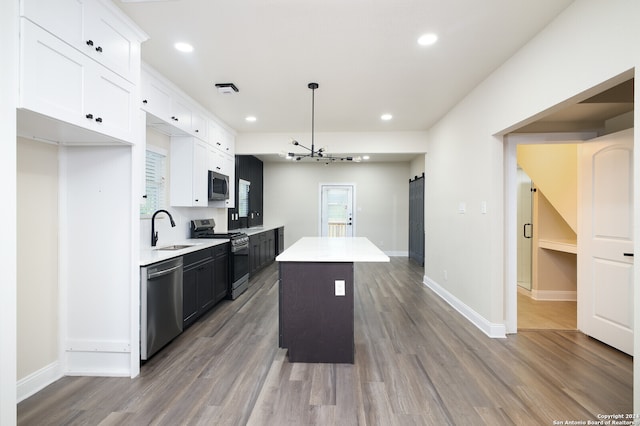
{"type": "Point", "coordinates": [365, 157]}
{"type": "Point", "coordinates": [427, 39]}
{"type": "Point", "coordinates": [250, 119]}
{"type": "Point", "coordinates": [183, 47]}
{"type": "Point", "coordinates": [386, 117]}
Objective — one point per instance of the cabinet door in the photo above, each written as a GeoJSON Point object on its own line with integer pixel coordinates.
{"type": "Point", "coordinates": [200, 175]}
{"type": "Point", "coordinates": [51, 75]}
{"type": "Point", "coordinates": [109, 99]}
{"type": "Point", "coordinates": [181, 114]}
{"type": "Point", "coordinates": [199, 126]}
{"type": "Point", "coordinates": [271, 245]}
{"type": "Point", "coordinates": [62, 17]}
{"type": "Point", "coordinates": [188, 183]}
{"type": "Point", "coordinates": [156, 98]}
{"type": "Point", "coordinates": [254, 253]}
{"type": "Point", "coordinates": [189, 297]}
{"type": "Point", "coordinates": [109, 41]}
{"type": "Point", "coordinates": [221, 276]}
{"type": "Point", "coordinates": [206, 293]}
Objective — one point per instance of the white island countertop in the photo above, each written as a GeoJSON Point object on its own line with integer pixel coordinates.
{"type": "Point", "coordinates": [333, 249]}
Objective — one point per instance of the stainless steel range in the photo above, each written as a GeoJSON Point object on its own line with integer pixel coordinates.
{"type": "Point", "coordinates": [238, 254]}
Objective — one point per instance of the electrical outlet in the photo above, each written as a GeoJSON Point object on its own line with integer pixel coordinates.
{"type": "Point", "coordinates": [339, 287]}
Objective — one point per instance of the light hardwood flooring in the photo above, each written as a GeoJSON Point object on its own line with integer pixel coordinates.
{"type": "Point", "coordinates": [418, 362]}
{"type": "Point", "coordinates": [546, 315]}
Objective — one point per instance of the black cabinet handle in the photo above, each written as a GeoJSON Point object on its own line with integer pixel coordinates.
{"type": "Point", "coordinates": [89, 116]}
{"type": "Point", "coordinates": [89, 42]}
{"type": "Point", "coordinates": [628, 254]}
{"type": "Point", "coordinates": [99, 119]}
{"type": "Point", "coordinates": [99, 49]}
{"type": "Point", "coordinates": [524, 230]}
{"type": "Point", "coordinates": [197, 131]}
{"type": "Point", "coordinates": [144, 101]}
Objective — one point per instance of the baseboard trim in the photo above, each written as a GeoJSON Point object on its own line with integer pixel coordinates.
{"type": "Point", "coordinates": [554, 295]}
{"type": "Point", "coordinates": [493, 330]}
{"type": "Point", "coordinates": [38, 380]}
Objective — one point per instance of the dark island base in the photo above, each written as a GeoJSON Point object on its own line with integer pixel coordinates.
{"type": "Point", "coordinates": [315, 324]}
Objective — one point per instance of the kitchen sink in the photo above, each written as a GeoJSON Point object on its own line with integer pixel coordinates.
{"type": "Point", "coordinates": [175, 247]}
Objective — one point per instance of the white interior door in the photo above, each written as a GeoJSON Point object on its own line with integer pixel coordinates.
{"type": "Point", "coordinates": [605, 240]}
{"type": "Point", "coordinates": [336, 216]}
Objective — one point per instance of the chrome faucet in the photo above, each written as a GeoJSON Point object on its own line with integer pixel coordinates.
{"type": "Point", "coordinates": [154, 233]}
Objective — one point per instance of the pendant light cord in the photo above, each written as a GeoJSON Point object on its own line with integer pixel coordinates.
{"type": "Point", "coordinates": [313, 115]}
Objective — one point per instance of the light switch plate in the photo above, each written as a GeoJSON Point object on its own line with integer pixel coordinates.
{"type": "Point", "coordinates": [340, 288]}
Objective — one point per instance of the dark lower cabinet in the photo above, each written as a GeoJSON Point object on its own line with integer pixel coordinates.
{"type": "Point", "coordinates": [279, 240]}
{"type": "Point", "coordinates": [205, 281]}
{"type": "Point", "coordinates": [220, 272]}
{"type": "Point", "coordinates": [263, 248]}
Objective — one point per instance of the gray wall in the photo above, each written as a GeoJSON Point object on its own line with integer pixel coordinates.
{"type": "Point", "coordinates": [291, 197]}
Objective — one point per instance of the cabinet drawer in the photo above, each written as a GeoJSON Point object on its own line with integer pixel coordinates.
{"type": "Point", "coordinates": [220, 250]}
{"type": "Point", "coordinates": [197, 257]}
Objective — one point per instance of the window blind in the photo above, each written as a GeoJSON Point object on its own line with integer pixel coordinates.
{"type": "Point", "coordinates": [155, 172]}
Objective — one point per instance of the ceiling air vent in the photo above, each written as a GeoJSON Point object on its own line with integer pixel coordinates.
{"type": "Point", "coordinates": [226, 88]}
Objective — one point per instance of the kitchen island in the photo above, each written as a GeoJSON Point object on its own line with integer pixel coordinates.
{"type": "Point", "coordinates": [316, 297]}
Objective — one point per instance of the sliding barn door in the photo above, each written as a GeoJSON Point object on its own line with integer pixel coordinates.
{"type": "Point", "coordinates": [416, 220]}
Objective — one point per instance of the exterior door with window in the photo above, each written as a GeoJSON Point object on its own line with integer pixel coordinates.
{"type": "Point", "coordinates": [605, 238]}
{"type": "Point", "coordinates": [336, 216]}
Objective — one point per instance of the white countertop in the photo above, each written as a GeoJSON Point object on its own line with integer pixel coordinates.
{"type": "Point", "coordinates": [333, 249]}
{"type": "Point", "coordinates": [153, 255]}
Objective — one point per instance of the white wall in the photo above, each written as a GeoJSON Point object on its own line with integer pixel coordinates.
{"type": "Point", "coordinates": [37, 208]}
{"type": "Point", "coordinates": [588, 44]}
{"type": "Point", "coordinates": [8, 102]}
{"type": "Point", "coordinates": [416, 168]}
{"type": "Point", "coordinates": [291, 198]}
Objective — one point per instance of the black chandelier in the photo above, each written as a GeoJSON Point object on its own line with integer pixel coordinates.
{"type": "Point", "coordinates": [320, 154]}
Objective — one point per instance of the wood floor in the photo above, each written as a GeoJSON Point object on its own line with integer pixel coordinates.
{"type": "Point", "coordinates": [418, 362]}
{"type": "Point", "coordinates": [546, 315]}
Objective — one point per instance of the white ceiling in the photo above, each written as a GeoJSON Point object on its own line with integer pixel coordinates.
{"type": "Point", "coordinates": [363, 54]}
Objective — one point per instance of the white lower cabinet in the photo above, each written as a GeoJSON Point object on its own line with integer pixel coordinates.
{"type": "Point", "coordinates": [60, 82]}
{"type": "Point", "coordinates": [189, 172]}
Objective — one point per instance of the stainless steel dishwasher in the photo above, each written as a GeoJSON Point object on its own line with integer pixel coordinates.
{"type": "Point", "coordinates": [160, 305]}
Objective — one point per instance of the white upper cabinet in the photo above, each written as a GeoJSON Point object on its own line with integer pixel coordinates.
{"type": "Point", "coordinates": [170, 112]}
{"type": "Point", "coordinates": [60, 82]}
{"type": "Point", "coordinates": [93, 28]}
{"type": "Point", "coordinates": [64, 18]}
{"type": "Point", "coordinates": [200, 126]}
{"type": "Point", "coordinates": [80, 65]}
{"type": "Point", "coordinates": [189, 172]}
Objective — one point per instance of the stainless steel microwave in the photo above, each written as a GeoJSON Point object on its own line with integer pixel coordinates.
{"type": "Point", "coordinates": [218, 186]}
